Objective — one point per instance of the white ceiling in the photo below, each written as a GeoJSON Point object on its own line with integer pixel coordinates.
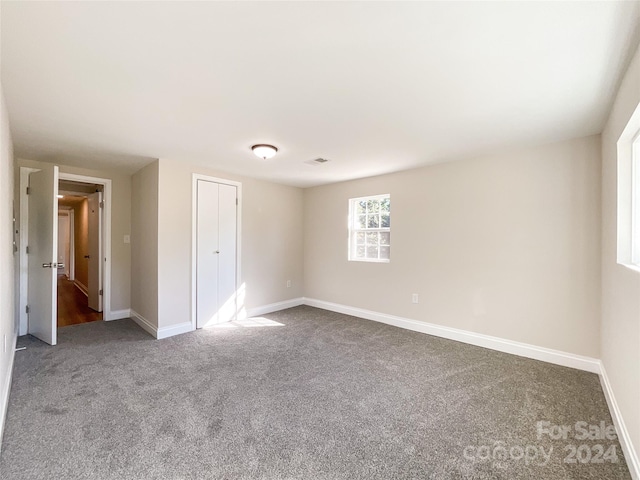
{"type": "Point", "coordinates": [373, 86]}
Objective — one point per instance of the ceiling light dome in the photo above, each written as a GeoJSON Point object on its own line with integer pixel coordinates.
{"type": "Point", "coordinates": [264, 151]}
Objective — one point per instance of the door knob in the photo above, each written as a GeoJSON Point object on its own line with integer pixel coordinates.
{"type": "Point", "coordinates": [87, 256]}
{"type": "Point", "coordinates": [217, 251]}
{"type": "Point", "coordinates": [49, 265]}
{"type": "Point", "coordinates": [61, 265]}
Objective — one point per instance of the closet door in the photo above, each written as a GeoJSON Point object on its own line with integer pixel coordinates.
{"type": "Point", "coordinates": [216, 246]}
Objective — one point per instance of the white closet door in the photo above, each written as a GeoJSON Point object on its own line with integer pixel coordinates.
{"type": "Point", "coordinates": [227, 257]}
{"type": "Point", "coordinates": [216, 253]}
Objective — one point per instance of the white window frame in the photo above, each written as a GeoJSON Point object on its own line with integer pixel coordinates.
{"type": "Point", "coordinates": [354, 229]}
{"type": "Point", "coordinates": [635, 200]}
{"type": "Point", "coordinates": [628, 194]}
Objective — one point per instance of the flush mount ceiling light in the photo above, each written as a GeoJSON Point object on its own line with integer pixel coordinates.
{"type": "Point", "coordinates": [264, 151]}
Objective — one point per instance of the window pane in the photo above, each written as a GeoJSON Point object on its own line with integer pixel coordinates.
{"type": "Point", "coordinates": [369, 228]}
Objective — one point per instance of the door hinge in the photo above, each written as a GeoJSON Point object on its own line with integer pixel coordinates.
{"type": "Point", "coordinates": [100, 292]}
{"type": "Point", "coordinates": [27, 309]}
{"type": "Point", "coordinates": [28, 190]}
{"type": "Point", "coordinates": [101, 204]}
{"type": "Point", "coordinates": [236, 201]}
{"type": "Point", "coordinates": [27, 249]}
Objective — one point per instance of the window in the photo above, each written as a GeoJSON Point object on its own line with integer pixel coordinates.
{"type": "Point", "coordinates": [635, 201]}
{"type": "Point", "coordinates": [628, 192]}
{"type": "Point", "coordinates": [369, 228]}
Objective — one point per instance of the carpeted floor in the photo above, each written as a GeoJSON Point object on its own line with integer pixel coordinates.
{"type": "Point", "coordinates": [321, 396]}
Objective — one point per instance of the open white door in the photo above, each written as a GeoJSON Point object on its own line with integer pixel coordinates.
{"type": "Point", "coordinates": [43, 251]}
{"type": "Point", "coordinates": [94, 279]}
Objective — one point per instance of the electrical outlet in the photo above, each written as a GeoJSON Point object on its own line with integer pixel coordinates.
{"type": "Point", "coordinates": [288, 283]}
{"type": "Point", "coordinates": [415, 298]}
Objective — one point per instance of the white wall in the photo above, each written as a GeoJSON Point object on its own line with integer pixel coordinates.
{"type": "Point", "coordinates": [8, 321]}
{"type": "Point", "coordinates": [144, 243]}
{"type": "Point", "coordinates": [120, 226]}
{"type": "Point", "coordinates": [271, 241]}
{"type": "Point", "coordinates": [507, 245]}
{"type": "Point", "coordinates": [620, 346]}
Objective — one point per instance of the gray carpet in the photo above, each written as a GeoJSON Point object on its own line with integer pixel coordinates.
{"type": "Point", "coordinates": [325, 396]}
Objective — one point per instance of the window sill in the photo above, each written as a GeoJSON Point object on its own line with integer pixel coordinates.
{"type": "Point", "coordinates": [367, 260]}
{"type": "Point", "coordinates": [631, 266]}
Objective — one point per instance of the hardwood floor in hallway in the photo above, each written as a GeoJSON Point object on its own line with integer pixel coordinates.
{"type": "Point", "coordinates": [72, 305]}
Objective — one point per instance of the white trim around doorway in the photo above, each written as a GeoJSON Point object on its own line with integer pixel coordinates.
{"type": "Point", "coordinates": [106, 236]}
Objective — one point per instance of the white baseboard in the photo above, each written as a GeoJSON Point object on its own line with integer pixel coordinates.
{"type": "Point", "coordinates": [494, 343]}
{"type": "Point", "coordinates": [159, 333]}
{"type": "Point", "coordinates": [82, 287]}
{"type": "Point", "coordinates": [170, 331]}
{"type": "Point", "coordinates": [621, 429]}
{"type": "Point", "coordinates": [145, 324]}
{"type": "Point", "coordinates": [508, 346]}
{"type": "Point", "coordinates": [6, 389]}
{"type": "Point", "coordinates": [274, 307]}
{"type": "Point", "coordinates": [119, 314]}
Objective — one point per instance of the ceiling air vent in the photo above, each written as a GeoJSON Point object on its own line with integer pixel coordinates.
{"type": "Point", "coordinates": [317, 161]}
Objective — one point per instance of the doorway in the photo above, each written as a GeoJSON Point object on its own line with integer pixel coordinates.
{"type": "Point", "coordinates": [79, 278]}
{"type": "Point", "coordinates": [38, 258]}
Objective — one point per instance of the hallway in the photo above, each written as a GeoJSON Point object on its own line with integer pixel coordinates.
{"type": "Point", "coordinates": [72, 305]}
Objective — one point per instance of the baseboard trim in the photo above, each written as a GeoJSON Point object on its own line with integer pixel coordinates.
{"type": "Point", "coordinates": [170, 331]}
{"type": "Point", "coordinates": [6, 390]}
{"type": "Point", "coordinates": [82, 287]}
{"type": "Point", "coordinates": [494, 343]}
{"type": "Point", "coordinates": [119, 314]}
{"type": "Point", "coordinates": [145, 324]}
{"type": "Point", "coordinates": [159, 333]}
{"type": "Point", "coordinates": [623, 434]}
{"type": "Point", "coordinates": [274, 307]}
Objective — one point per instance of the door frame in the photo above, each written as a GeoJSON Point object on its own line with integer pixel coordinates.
{"type": "Point", "coordinates": [101, 249]}
{"type": "Point", "coordinates": [23, 241]}
{"type": "Point", "coordinates": [194, 237]}
{"type": "Point", "coordinates": [105, 235]}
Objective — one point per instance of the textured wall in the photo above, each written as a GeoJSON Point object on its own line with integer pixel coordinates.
{"type": "Point", "coordinates": [271, 247]}
{"type": "Point", "coordinates": [620, 285]}
{"type": "Point", "coordinates": [144, 243]}
{"type": "Point", "coordinates": [506, 245]}
{"type": "Point", "coordinates": [8, 320]}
